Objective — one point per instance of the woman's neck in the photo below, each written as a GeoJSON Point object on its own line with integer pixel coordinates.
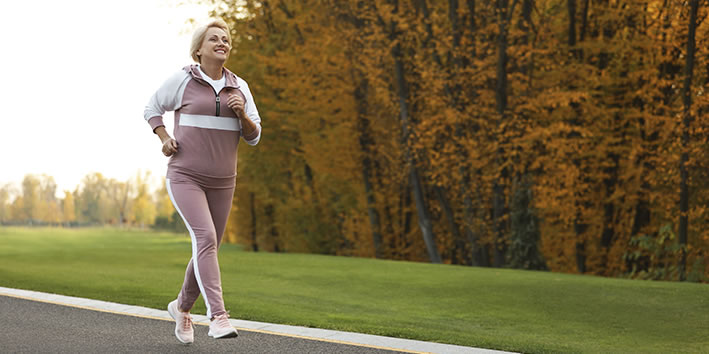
{"type": "Point", "coordinates": [213, 70]}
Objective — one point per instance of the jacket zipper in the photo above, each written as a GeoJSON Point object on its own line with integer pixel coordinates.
{"type": "Point", "coordinates": [216, 94]}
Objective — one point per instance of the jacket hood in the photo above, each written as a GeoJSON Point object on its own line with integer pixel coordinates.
{"type": "Point", "coordinates": [193, 69]}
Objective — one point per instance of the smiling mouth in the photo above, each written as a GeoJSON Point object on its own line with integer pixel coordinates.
{"type": "Point", "coordinates": [221, 51]}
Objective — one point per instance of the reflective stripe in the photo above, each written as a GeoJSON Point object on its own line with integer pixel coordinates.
{"type": "Point", "coordinates": [209, 122]}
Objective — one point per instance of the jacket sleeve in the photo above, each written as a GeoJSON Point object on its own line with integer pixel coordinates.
{"type": "Point", "coordinates": [167, 98]}
{"type": "Point", "coordinates": [252, 113]}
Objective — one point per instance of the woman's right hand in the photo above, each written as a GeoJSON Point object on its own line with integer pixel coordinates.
{"type": "Point", "coordinates": [169, 146]}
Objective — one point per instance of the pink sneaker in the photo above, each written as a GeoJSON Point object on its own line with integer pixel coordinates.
{"type": "Point", "coordinates": [183, 326]}
{"type": "Point", "coordinates": [221, 328]}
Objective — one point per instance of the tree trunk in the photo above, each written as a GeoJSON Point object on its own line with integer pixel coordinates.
{"type": "Point", "coordinates": [454, 66]}
{"type": "Point", "coordinates": [418, 192]}
{"type": "Point", "coordinates": [404, 218]}
{"type": "Point", "coordinates": [254, 242]}
{"type": "Point", "coordinates": [571, 7]}
{"type": "Point", "coordinates": [642, 210]}
{"type": "Point", "coordinates": [479, 252]}
{"type": "Point", "coordinates": [579, 226]}
{"type": "Point", "coordinates": [641, 218]}
{"type": "Point", "coordinates": [498, 189]}
{"type": "Point", "coordinates": [408, 214]}
{"type": "Point", "coordinates": [584, 21]}
{"type": "Point", "coordinates": [473, 27]}
{"type": "Point", "coordinates": [686, 121]}
{"type": "Point", "coordinates": [523, 250]}
{"type": "Point", "coordinates": [609, 223]}
{"type": "Point", "coordinates": [463, 166]}
{"type": "Point", "coordinates": [458, 256]}
{"type": "Point", "coordinates": [270, 216]}
{"type": "Point", "coordinates": [580, 248]}
{"type": "Point", "coordinates": [360, 95]}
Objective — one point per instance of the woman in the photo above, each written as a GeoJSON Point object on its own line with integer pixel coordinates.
{"type": "Point", "coordinates": [202, 167]}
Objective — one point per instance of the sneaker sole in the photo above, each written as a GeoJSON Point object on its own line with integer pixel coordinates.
{"type": "Point", "coordinates": [225, 335]}
{"type": "Point", "coordinates": [174, 317]}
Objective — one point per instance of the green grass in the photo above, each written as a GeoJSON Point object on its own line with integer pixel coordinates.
{"type": "Point", "coordinates": [525, 311]}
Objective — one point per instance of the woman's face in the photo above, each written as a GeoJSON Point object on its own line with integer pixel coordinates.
{"type": "Point", "coordinates": [215, 46]}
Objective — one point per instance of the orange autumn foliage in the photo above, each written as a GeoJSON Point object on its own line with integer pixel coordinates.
{"type": "Point", "coordinates": [594, 126]}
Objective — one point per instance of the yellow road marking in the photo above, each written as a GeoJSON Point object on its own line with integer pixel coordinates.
{"type": "Point", "coordinates": [206, 324]}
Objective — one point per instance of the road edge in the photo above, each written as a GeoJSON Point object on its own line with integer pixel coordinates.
{"type": "Point", "coordinates": [326, 335]}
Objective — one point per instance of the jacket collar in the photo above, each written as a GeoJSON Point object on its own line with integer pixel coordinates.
{"type": "Point", "coordinates": [231, 81]}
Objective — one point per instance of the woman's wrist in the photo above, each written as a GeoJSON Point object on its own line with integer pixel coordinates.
{"type": "Point", "coordinates": [162, 134]}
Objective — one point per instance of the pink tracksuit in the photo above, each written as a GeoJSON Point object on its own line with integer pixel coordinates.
{"type": "Point", "coordinates": [201, 175]}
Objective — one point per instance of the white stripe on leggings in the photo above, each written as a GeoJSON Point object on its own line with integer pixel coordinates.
{"type": "Point", "coordinates": [194, 249]}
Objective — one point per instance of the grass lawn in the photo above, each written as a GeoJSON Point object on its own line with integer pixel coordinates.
{"type": "Point", "coordinates": [524, 311]}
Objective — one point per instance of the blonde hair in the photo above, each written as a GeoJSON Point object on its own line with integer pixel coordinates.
{"type": "Point", "coordinates": [201, 32]}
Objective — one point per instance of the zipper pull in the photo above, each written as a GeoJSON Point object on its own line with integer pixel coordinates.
{"type": "Point", "coordinates": [217, 106]}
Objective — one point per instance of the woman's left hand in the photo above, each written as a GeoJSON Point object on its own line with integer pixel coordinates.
{"type": "Point", "coordinates": [236, 103]}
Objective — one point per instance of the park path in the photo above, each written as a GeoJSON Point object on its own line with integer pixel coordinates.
{"type": "Point", "coordinates": [35, 322]}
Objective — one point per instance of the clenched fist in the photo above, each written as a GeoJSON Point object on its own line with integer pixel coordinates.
{"type": "Point", "coordinates": [236, 103]}
{"type": "Point", "coordinates": [169, 146]}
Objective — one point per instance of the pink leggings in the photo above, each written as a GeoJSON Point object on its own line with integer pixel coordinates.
{"type": "Point", "coordinates": [205, 211]}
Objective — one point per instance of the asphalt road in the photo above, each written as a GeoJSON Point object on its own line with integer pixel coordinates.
{"type": "Point", "coordinates": [37, 327]}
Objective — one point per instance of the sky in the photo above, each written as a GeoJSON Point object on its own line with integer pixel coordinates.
{"type": "Point", "coordinates": [76, 77]}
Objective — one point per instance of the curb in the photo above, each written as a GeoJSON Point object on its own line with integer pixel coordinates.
{"type": "Point", "coordinates": [357, 339]}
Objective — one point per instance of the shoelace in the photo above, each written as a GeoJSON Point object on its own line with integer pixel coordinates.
{"type": "Point", "coordinates": [187, 323]}
{"type": "Point", "coordinates": [223, 321]}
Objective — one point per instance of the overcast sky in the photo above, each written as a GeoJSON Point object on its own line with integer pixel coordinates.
{"type": "Point", "coordinates": [76, 77]}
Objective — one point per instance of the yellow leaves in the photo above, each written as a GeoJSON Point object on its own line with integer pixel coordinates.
{"type": "Point", "coordinates": [601, 128]}
{"type": "Point", "coordinates": [68, 208]}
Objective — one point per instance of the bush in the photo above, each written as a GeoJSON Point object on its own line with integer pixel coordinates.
{"type": "Point", "coordinates": [656, 257]}
{"type": "Point", "coordinates": [173, 223]}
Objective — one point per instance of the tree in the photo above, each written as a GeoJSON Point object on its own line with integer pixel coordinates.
{"type": "Point", "coordinates": [68, 208]}
{"type": "Point", "coordinates": [143, 207]}
{"type": "Point", "coordinates": [686, 122]}
{"type": "Point", "coordinates": [17, 210]}
{"type": "Point", "coordinates": [120, 195]}
{"type": "Point", "coordinates": [92, 201]}
{"type": "Point", "coordinates": [552, 125]}
{"type": "Point", "coordinates": [5, 195]}
{"type": "Point", "coordinates": [49, 211]}
{"type": "Point", "coordinates": [164, 207]}
{"type": "Point", "coordinates": [523, 251]}
{"type": "Point", "coordinates": [31, 198]}
{"type": "Point", "coordinates": [404, 111]}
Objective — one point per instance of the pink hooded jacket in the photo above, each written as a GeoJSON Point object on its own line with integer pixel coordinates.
{"type": "Point", "coordinates": [206, 129]}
